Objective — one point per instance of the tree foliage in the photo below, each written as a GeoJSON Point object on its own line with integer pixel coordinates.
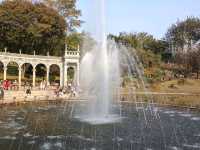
{"type": "Point", "coordinates": [84, 40]}
{"type": "Point", "coordinates": [74, 40]}
{"type": "Point", "coordinates": [183, 38]}
{"type": "Point", "coordinates": [183, 34]}
{"type": "Point", "coordinates": [32, 26]}
{"type": "Point", "coordinates": [141, 40]}
{"type": "Point", "coordinates": [147, 47]}
{"type": "Point", "coordinates": [67, 9]}
{"type": "Point", "coordinates": [188, 62]}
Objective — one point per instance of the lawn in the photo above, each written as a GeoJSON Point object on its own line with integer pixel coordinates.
{"type": "Point", "coordinates": [178, 86]}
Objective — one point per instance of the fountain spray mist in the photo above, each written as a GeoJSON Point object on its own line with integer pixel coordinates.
{"type": "Point", "coordinates": [100, 75]}
{"type": "Point", "coordinates": [103, 96]}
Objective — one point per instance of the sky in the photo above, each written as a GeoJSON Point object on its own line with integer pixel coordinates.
{"type": "Point", "coordinates": [152, 16]}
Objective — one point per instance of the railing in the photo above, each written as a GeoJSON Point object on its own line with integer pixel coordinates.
{"type": "Point", "coordinates": [7, 54]}
{"type": "Point", "coordinates": [72, 53]}
{"type": "Point", "coordinates": [68, 53]}
{"type": "Point", "coordinates": [186, 100]}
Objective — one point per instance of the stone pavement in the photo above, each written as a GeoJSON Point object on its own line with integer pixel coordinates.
{"type": "Point", "coordinates": [36, 95]}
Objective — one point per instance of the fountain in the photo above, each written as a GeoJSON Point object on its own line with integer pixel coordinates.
{"type": "Point", "coordinates": [100, 77]}
{"type": "Point", "coordinates": [100, 81]}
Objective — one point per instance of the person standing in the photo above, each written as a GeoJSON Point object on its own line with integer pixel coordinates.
{"type": "Point", "coordinates": [28, 90]}
{"type": "Point", "coordinates": [6, 84]}
{"type": "Point", "coordinates": [1, 93]}
{"type": "Point", "coordinates": [41, 85]}
{"type": "Point", "coordinates": [44, 85]}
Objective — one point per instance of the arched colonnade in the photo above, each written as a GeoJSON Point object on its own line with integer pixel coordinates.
{"type": "Point", "coordinates": [70, 60]}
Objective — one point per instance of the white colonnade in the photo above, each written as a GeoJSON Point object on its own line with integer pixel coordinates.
{"type": "Point", "coordinates": [71, 58]}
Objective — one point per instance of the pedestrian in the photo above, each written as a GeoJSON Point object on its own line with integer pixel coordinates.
{"type": "Point", "coordinates": [56, 91]}
{"type": "Point", "coordinates": [41, 85]}
{"type": "Point", "coordinates": [1, 93]}
{"type": "Point", "coordinates": [44, 85]}
{"type": "Point", "coordinates": [9, 84]}
{"type": "Point", "coordinates": [4, 84]}
{"type": "Point", "coordinates": [28, 90]}
{"type": "Point", "coordinates": [15, 84]}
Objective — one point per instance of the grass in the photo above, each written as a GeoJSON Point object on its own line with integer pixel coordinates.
{"type": "Point", "coordinates": [178, 86]}
{"type": "Point", "coordinates": [189, 86]}
{"type": "Point", "coordinates": [171, 93]}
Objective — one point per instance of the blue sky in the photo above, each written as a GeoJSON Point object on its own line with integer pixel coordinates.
{"type": "Point", "coordinates": [152, 16]}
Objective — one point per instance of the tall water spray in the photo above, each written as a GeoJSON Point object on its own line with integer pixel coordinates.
{"type": "Point", "coordinates": [100, 75]}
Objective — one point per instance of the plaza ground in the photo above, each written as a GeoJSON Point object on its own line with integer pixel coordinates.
{"type": "Point", "coordinates": [14, 97]}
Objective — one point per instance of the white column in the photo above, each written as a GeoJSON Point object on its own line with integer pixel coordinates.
{"type": "Point", "coordinates": [20, 76]}
{"type": "Point", "coordinates": [48, 68]}
{"type": "Point", "coordinates": [61, 76]}
{"type": "Point", "coordinates": [4, 72]}
{"type": "Point", "coordinates": [65, 74]}
{"type": "Point", "coordinates": [78, 74]}
{"type": "Point", "coordinates": [34, 72]}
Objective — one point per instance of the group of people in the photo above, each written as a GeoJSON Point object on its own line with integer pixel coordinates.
{"type": "Point", "coordinates": [43, 85]}
{"type": "Point", "coordinates": [13, 85]}
{"type": "Point", "coordinates": [9, 85]}
{"type": "Point", "coordinates": [5, 85]}
{"type": "Point", "coordinates": [69, 89]}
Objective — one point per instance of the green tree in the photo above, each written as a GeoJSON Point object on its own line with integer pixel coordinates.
{"type": "Point", "coordinates": [74, 40]}
{"type": "Point", "coordinates": [183, 40]}
{"type": "Point", "coordinates": [83, 40]}
{"type": "Point", "coordinates": [67, 9]}
{"type": "Point", "coordinates": [194, 61]}
{"type": "Point", "coordinates": [141, 40]}
{"type": "Point", "coordinates": [183, 34]}
{"type": "Point", "coordinates": [32, 26]}
{"type": "Point", "coordinates": [147, 47]}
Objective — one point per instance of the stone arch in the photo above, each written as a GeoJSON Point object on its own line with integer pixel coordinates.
{"type": "Point", "coordinates": [12, 74]}
{"type": "Point", "coordinates": [12, 70]}
{"type": "Point", "coordinates": [54, 74]}
{"type": "Point", "coordinates": [26, 73]}
{"type": "Point", "coordinates": [40, 72]}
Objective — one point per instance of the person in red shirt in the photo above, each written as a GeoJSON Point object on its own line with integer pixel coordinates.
{"type": "Point", "coordinates": [4, 85]}
{"type": "Point", "coordinates": [8, 84]}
